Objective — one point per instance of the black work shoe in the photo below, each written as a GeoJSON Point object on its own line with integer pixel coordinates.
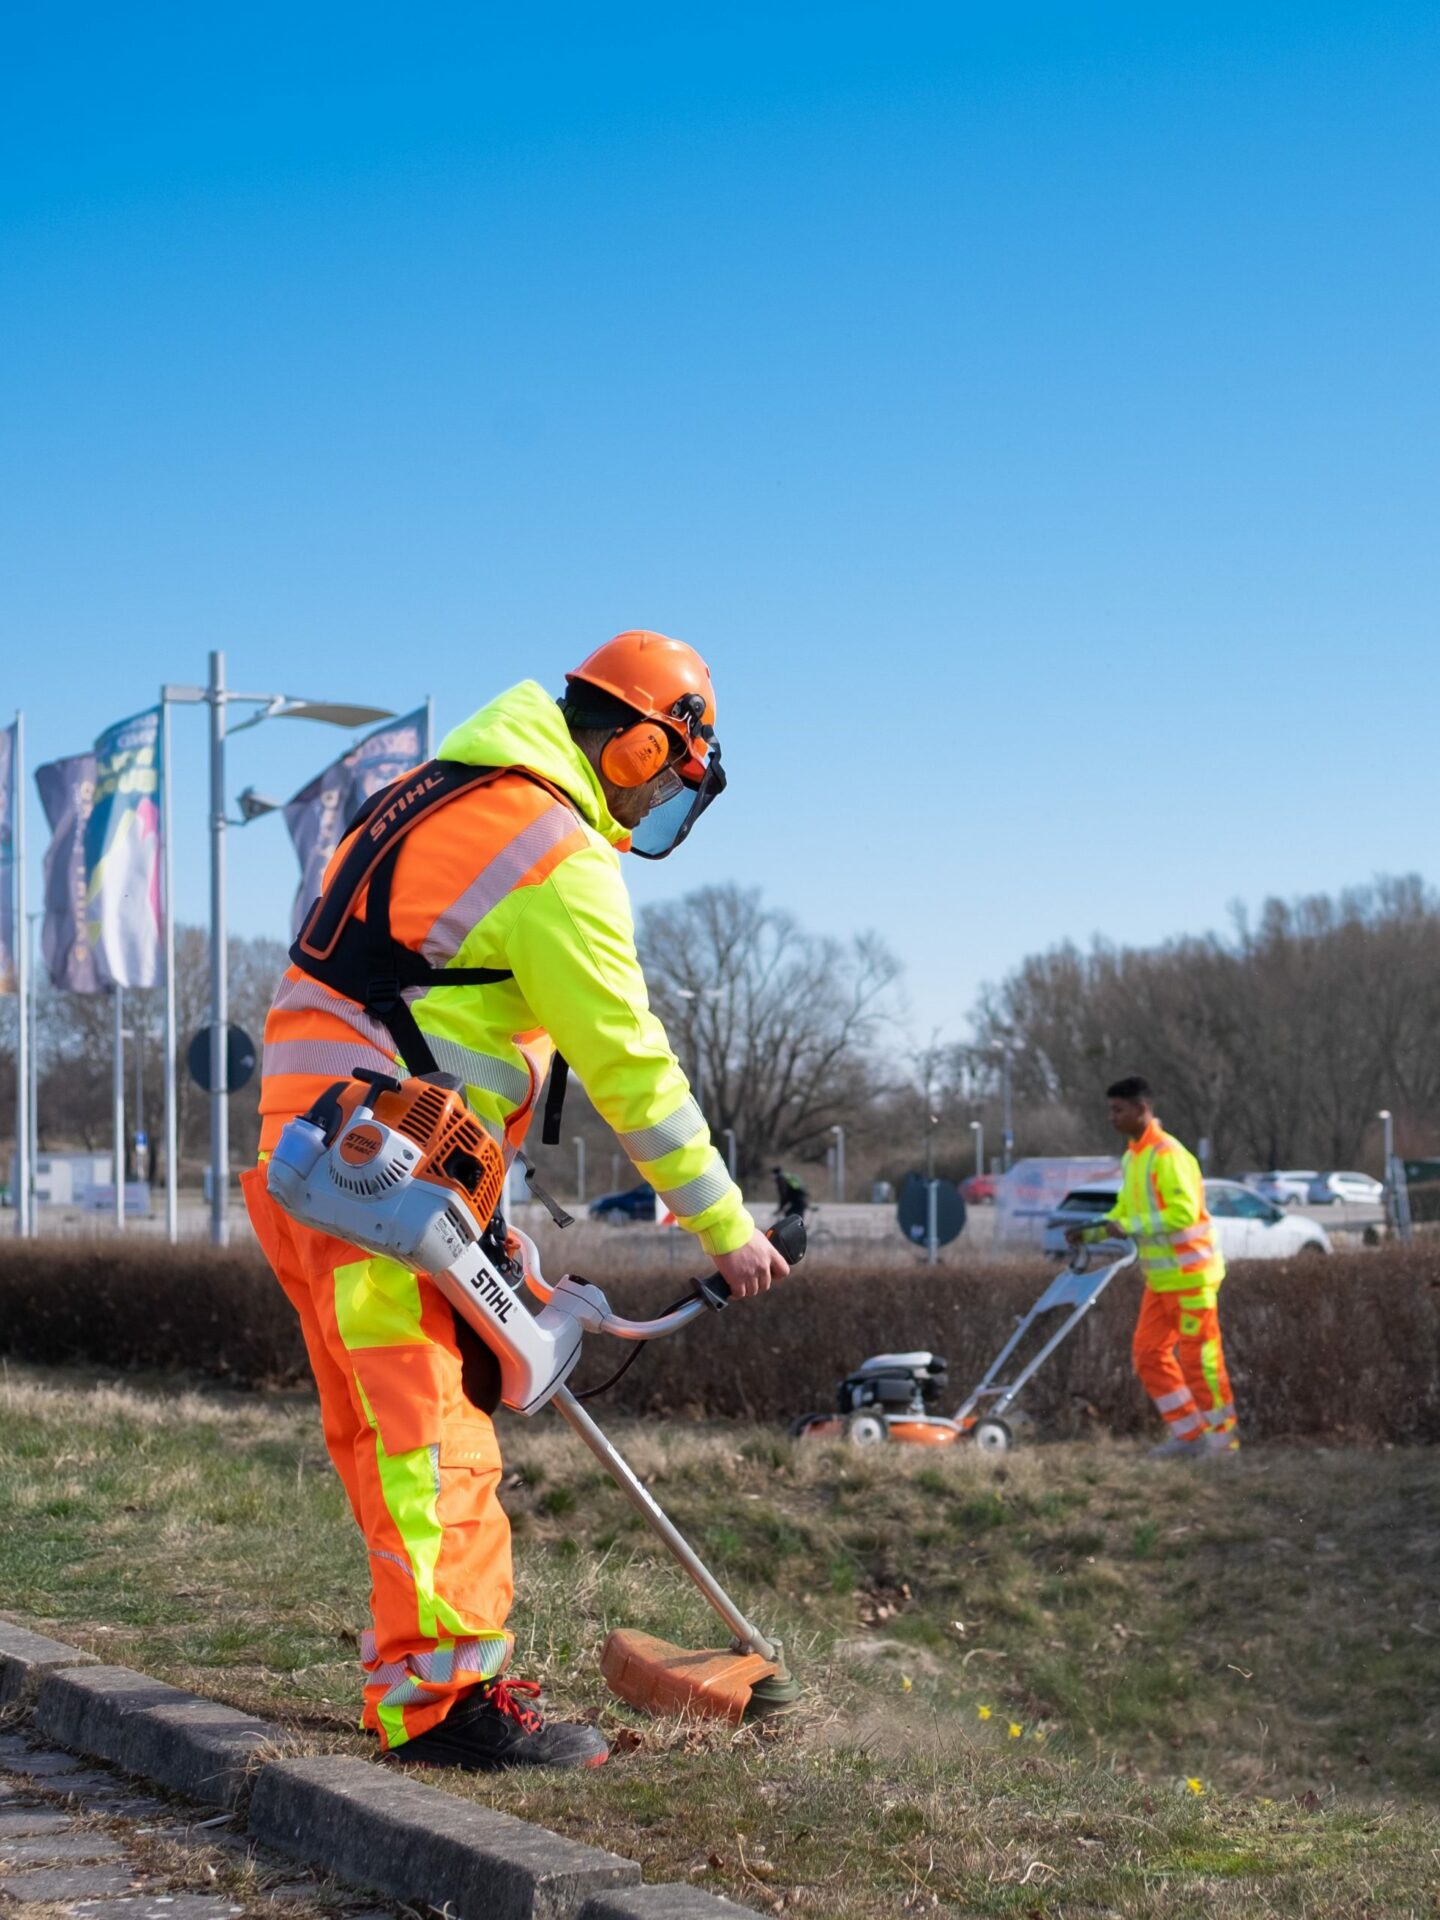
{"type": "Point", "coordinates": [488, 1728]}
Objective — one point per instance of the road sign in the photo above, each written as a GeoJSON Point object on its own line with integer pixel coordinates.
{"type": "Point", "coordinates": [239, 1059]}
{"type": "Point", "coordinates": [914, 1207]}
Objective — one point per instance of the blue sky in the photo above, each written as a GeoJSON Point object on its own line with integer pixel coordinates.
{"type": "Point", "coordinates": [1030, 410]}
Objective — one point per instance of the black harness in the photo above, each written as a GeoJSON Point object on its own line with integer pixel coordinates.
{"type": "Point", "coordinates": [362, 959]}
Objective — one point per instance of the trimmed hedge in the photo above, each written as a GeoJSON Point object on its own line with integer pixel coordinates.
{"type": "Point", "coordinates": [1346, 1348]}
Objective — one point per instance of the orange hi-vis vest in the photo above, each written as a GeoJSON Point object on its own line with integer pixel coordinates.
{"type": "Point", "coordinates": [516, 879]}
{"type": "Point", "coordinates": [1162, 1208]}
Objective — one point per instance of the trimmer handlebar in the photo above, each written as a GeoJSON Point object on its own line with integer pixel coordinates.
{"type": "Point", "coordinates": [710, 1293]}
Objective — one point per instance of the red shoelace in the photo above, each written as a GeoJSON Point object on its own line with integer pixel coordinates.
{"type": "Point", "coordinates": [501, 1695]}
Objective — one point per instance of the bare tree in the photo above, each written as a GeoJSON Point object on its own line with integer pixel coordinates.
{"type": "Point", "coordinates": [778, 1025]}
{"type": "Point", "coordinates": [1277, 1043]}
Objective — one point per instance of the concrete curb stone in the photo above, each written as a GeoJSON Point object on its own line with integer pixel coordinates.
{"type": "Point", "coordinates": [192, 1745]}
{"type": "Point", "coordinates": [373, 1825]}
{"type": "Point", "coordinates": [676, 1901]}
{"type": "Point", "coordinates": [368, 1824]}
{"type": "Point", "coordinates": [25, 1658]}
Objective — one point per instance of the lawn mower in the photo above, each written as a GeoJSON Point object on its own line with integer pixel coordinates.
{"type": "Point", "coordinates": [405, 1170]}
{"type": "Point", "coordinates": [893, 1396]}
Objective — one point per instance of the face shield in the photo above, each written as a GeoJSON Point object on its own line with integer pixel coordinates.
{"type": "Point", "coordinates": [679, 802]}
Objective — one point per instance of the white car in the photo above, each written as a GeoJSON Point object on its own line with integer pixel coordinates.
{"type": "Point", "coordinates": [1288, 1187]}
{"type": "Point", "coordinates": [1247, 1225]}
{"type": "Point", "coordinates": [1359, 1189]}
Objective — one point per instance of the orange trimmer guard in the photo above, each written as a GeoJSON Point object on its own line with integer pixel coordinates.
{"type": "Point", "coordinates": [655, 1677]}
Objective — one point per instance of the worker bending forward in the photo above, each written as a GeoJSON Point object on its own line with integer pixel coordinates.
{"type": "Point", "coordinates": [1177, 1350]}
{"type": "Point", "coordinates": [499, 932]}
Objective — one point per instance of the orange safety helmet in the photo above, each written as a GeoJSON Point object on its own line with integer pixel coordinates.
{"type": "Point", "coordinates": [669, 686]}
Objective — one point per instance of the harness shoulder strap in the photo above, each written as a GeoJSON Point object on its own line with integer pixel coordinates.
{"type": "Point", "coordinates": [363, 959]}
{"type": "Point", "coordinates": [393, 813]}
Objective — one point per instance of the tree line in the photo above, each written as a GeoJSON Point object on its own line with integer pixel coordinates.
{"type": "Point", "coordinates": [1277, 1041]}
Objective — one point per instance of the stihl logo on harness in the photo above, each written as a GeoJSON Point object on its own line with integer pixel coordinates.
{"type": "Point", "coordinates": [401, 804]}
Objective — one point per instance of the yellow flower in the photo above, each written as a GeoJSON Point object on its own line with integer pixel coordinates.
{"type": "Point", "coordinates": [1015, 1729]}
{"type": "Point", "coordinates": [906, 1683]}
{"type": "Point", "coordinates": [1038, 1734]}
{"type": "Point", "coordinates": [1196, 1786]}
{"type": "Point", "coordinates": [983, 1713]}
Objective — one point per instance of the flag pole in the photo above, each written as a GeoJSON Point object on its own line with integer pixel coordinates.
{"type": "Point", "coordinates": [21, 1167]}
{"type": "Point", "coordinates": [119, 1094]}
{"type": "Point", "coordinates": [172, 1170]}
{"type": "Point", "coordinates": [33, 1208]}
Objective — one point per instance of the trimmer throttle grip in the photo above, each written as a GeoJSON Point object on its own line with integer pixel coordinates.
{"type": "Point", "coordinates": [788, 1237]}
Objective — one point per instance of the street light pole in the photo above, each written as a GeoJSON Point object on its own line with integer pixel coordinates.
{"type": "Point", "coordinates": [24, 1039]}
{"type": "Point", "coordinates": [839, 1133]}
{"type": "Point", "coordinates": [932, 1196]}
{"type": "Point", "coordinates": [1007, 1116]}
{"type": "Point", "coordinates": [731, 1158]}
{"type": "Point", "coordinates": [580, 1169]}
{"type": "Point", "coordinates": [172, 1171]}
{"type": "Point", "coordinates": [219, 969]}
{"type": "Point", "coordinates": [977, 1127]}
{"type": "Point", "coordinates": [217, 697]}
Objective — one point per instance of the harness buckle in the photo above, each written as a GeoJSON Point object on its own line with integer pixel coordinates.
{"type": "Point", "coordinates": [382, 993]}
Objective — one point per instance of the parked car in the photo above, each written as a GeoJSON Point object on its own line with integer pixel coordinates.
{"type": "Point", "coordinates": [635, 1203]}
{"type": "Point", "coordinates": [978, 1190]}
{"type": "Point", "coordinates": [1359, 1189]}
{"type": "Point", "coordinates": [1247, 1225]}
{"type": "Point", "coordinates": [1289, 1187]}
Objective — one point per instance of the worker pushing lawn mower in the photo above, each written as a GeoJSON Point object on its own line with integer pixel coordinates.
{"type": "Point", "coordinates": [1177, 1349]}
{"type": "Point", "coordinates": [473, 933]}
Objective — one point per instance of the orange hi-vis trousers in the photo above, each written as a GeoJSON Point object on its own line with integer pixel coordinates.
{"type": "Point", "coordinates": [419, 1462]}
{"type": "Point", "coordinates": [1181, 1363]}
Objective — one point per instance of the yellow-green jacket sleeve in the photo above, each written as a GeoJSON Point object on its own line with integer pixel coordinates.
{"type": "Point", "coordinates": [571, 947]}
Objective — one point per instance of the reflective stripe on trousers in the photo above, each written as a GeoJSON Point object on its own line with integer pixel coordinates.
{"type": "Point", "coordinates": [419, 1463]}
{"type": "Point", "coordinates": [1181, 1362]}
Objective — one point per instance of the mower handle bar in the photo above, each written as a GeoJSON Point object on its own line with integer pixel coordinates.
{"type": "Point", "coordinates": [711, 1293]}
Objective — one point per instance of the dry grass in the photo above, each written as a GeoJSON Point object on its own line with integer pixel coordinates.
{"type": "Point", "coordinates": [1269, 1631]}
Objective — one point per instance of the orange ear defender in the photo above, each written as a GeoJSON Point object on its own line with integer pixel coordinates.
{"type": "Point", "coordinates": [636, 754]}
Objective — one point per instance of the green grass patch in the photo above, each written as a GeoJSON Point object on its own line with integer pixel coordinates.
{"type": "Point", "coordinates": [1013, 1669]}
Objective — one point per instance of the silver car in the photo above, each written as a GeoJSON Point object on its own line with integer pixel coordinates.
{"type": "Point", "coordinates": [1247, 1225]}
{"type": "Point", "coordinates": [1359, 1189]}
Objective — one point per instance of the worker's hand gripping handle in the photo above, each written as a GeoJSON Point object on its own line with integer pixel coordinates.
{"type": "Point", "coordinates": [788, 1239]}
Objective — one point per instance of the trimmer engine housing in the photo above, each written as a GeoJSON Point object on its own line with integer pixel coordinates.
{"type": "Point", "coordinates": [406, 1171]}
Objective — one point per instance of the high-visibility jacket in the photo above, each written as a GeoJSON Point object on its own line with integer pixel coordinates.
{"type": "Point", "coordinates": [510, 876]}
{"type": "Point", "coordinates": [1162, 1208]}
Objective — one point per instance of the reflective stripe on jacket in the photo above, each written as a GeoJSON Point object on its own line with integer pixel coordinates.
{"type": "Point", "coordinates": [509, 877]}
{"type": "Point", "coordinates": [1162, 1208]}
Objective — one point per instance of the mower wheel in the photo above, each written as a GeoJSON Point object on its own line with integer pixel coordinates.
{"type": "Point", "coordinates": [866, 1429]}
{"type": "Point", "coordinates": [992, 1436]}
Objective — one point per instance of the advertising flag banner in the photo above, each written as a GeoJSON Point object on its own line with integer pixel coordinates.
{"type": "Point", "coordinates": [318, 813]}
{"type": "Point", "coordinates": [9, 963]}
{"type": "Point", "coordinates": [67, 793]}
{"type": "Point", "coordinates": [122, 853]}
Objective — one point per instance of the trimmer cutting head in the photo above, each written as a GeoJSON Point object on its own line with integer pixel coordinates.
{"type": "Point", "coordinates": [715, 1684]}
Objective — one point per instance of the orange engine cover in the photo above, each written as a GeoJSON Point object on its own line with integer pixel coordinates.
{"type": "Point", "coordinates": [456, 1151]}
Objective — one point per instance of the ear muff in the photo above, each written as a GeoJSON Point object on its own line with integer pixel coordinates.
{"type": "Point", "coordinates": [636, 754]}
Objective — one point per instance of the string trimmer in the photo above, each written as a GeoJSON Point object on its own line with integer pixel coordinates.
{"type": "Point", "coordinates": [406, 1171]}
